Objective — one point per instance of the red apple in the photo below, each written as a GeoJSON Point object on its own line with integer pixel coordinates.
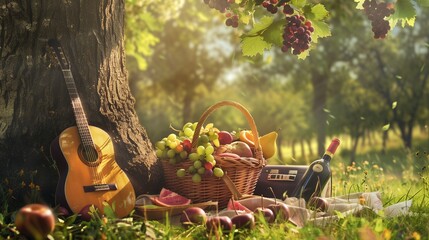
{"type": "Point", "coordinates": [225, 137]}
{"type": "Point", "coordinates": [193, 215]}
{"type": "Point", "coordinates": [318, 204]}
{"type": "Point", "coordinates": [62, 212]}
{"type": "Point", "coordinates": [219, 222]}
{"type": "Point", "coordinates": [281, 211]}
{"type": "Point", "coordinates": [240, 148]}
{"type": "Point", "coordinates": [246, 220]}
{"type": "Point", "coordinates": [84, 213]}
{"type": "Point", "coordinates": [265, 213]}
{"type": "Point", "coordinates": [35, 221]}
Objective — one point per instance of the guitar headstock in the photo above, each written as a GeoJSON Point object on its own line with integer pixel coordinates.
{"type": "Point", "coordinates": [58, 52]}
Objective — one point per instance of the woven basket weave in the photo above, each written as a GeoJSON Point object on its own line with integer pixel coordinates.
{"type": "Point", "coordinates": [240, 176]}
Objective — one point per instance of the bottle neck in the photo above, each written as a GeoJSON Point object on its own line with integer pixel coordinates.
{"type": "Point", "coordinates": [327, 156]}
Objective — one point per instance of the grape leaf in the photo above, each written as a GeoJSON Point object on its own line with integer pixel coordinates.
{"type": "Point", "coordinates": [359, 4]}
{"type": "Point", "coordinates": [386, 127]}
{"type": "Point", "coordinates": [298, 3]}
{"type": "Point", "coordinates": [253, 45]}
{"type": "Point", "coordinates": [404, 13]}
{"type": "Point", "coordinates": [263, 24]}
{"type": "Point", "coordinates": [423, 3]}
{"type": "Point", "coordinates": [247, 13]}
{"type": "Point", "coordinates": [319, 11]}
{"type": "Point", "coordinates": [304, 54]}
{"type": "Point", "coordinates": [245, 18]}
{"type": "Point", "coordinates": [321, 29]}
{"type": "Point", "coordinates": [273, 34]}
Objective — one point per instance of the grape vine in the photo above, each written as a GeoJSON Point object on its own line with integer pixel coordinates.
{"type": "Point", "coordinates": [296, 25]}
{"type": "Point", "coordinates": [297, 29]}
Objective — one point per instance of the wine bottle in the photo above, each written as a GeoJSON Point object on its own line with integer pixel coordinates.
{"type": "Point", "coordinates": [317, 175]}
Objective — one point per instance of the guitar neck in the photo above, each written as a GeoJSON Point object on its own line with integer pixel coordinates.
{"type": "Point", "coordinates": [81, 121]}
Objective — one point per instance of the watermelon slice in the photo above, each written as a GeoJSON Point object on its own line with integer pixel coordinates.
{"type": "Point", "coordinates": [236, 206]}
{"type": "Point", "coordinates": [166, 192]}
{"type": "Point", "coordinates": [168, 198]}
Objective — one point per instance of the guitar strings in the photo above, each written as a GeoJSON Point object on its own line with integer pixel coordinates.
{"type": "Point", "coordinates": [89, 147]}
{"type": "Point", "coordinates": [72, 90]}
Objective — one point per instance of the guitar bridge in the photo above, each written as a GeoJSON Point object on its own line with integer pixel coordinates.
{"type": "Point", "coordinates": [100, 187]}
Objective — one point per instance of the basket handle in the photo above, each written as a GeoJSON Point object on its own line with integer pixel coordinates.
{"type": "Point", "coordinates": [245, 112]}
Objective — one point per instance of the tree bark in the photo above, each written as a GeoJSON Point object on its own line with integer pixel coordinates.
{"type": "Point", "coordinates": [293, 148]}
{"type": "Point", "coordinates": [355, 141]}
{"type": "Point", "coordinates": [34, 103]}
{"type": "Point", "coordinates": [303, 156]}
{"type": "Point", "coordinates": [320, 88]}
{"type": "Point", "coordinates": [385, 137]}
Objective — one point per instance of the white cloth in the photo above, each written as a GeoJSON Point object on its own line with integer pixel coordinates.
{"type": "Point", "coordinates": [355, 203]}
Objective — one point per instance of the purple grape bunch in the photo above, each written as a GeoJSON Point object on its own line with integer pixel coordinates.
{"type": "Point", "coordinates": [223, 6]}
{"type": "Point", "coordinates": [297, 34]}
{"type": "Point", "coordinates": [220, 5]}
{"type": "Point", "coordinates": [273, 6]}
{"type": "Point", "coordinates": [376, 13]}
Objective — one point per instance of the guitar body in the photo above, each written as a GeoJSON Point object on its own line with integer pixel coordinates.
{"type": "Point", "coordinates": [90, 177]}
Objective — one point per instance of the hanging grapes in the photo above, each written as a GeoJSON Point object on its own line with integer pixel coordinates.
{"type": "Point", "coordinates": [296, 25]}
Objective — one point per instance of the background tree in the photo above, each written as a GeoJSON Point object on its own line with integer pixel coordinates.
{"type": "Point", "coordinates": [399, 75]}
{"type": "Point", "coordinates": [187, 62]}
{"type": "Point", "coordinates": [34, 102]}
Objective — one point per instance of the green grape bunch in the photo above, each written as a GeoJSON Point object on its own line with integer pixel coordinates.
{"type": "Point", "coordinates": [177, 147]}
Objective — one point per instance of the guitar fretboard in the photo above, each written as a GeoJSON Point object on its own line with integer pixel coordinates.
{"type": "Point", "coordinates": [81, 121]}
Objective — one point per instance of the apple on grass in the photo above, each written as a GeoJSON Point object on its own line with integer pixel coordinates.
{"type": "Point", "coordinates": [85, 213]}
{"type": "Point", "coordinates": [35, 221]}
{"type": "Point", "coordinates": [281, 211]}
{"type": "Point", "coordinates": [318, 204]}
{"type": "Point", "coordinates": [265, 213]}
{"type": "Point", "coordinates": [246, 220]}
{"type": "Point", "coordinates": [193, 216]}
{"type": "Point", "coordinates": [216, 223]}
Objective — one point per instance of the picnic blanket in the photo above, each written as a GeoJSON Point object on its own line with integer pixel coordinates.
{"type": "Point", "coordinates": [357, 204]}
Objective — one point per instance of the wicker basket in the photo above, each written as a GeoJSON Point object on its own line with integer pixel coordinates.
{"type": "Point", "coordinates": [240, 176]}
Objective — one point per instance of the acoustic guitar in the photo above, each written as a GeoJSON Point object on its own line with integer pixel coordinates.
{"type": "Point", "coordinates": [85, 156]}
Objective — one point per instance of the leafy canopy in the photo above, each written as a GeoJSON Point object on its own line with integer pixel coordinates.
{"type": "Point", "coordinates": [261, 30]}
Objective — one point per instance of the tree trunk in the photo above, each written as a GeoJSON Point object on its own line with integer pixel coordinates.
{"type": "Point", "coordinates": [355, 143]}
{"type": "Point", "coordinates": [293, 148]}
{"type": "Point", "coordinates": [310, 149]}
{"type": "Point", "coordinates": [320, 87]}
{"type": "Point", "coordinates": [364, 135]}
{"type": "Point", "coordinates": [384, 142]}
{"type": "Point", "coordinates": [303, 156]}
{"type": "Point", "coordinates": [34, 103]}
{"type": "Point", "coordinates": [406, 129]}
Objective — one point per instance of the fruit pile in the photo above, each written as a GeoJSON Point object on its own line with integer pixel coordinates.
{"type": "Point", "coordinates": [212, 145]}
{"type": "Point", "coordinates": [241, 218]}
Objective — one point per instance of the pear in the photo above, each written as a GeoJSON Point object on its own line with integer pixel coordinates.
{"type": "Point", "coordinates": [269, 144]}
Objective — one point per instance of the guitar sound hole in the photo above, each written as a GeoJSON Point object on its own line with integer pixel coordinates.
{"type": "Point", "coordinates": [88, 154]}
